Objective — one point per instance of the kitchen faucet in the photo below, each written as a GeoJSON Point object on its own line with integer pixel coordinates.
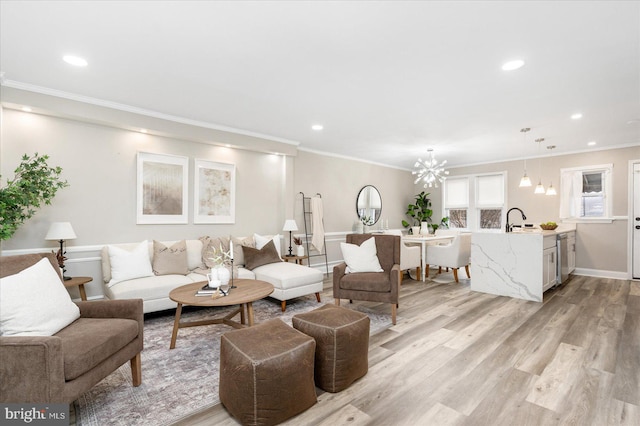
{"type": "Point", "coordinates": [510, 226]}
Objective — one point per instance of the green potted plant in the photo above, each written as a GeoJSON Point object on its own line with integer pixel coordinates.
{"type": "Point", "coordinates": [34, 183]}
{"type": "Point", "coordinates": [420, 212]}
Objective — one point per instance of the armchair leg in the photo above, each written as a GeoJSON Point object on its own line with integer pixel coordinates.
{"type": "Point", "coordinates": [455, 274]}
{"type": "Point", "coordinates": [136, 369]}
{"type": "Point", "coordinates": [418, 271]}
{"type": "Point", "coordinates": [426, 271]}
{"type": "Point", "coordinates": [394, 310]}
{"type": "Point", "coordinates": [337, 302]}
{"type": "Point", "coordinates": [466, 269]}
{"type": "Point", "coordinates": [283, 305]}
{"type": "Point", "coordinates": [318, 297]}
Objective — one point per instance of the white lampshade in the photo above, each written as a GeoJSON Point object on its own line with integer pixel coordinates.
{"type": "Point", "coordinates": [60, 231]}
{"type": "Point", "coordinates": [290, 225]}
{"type": "Point", "coordinates": [525, 181]}
{"type": "Point", "coordinates": [551, 190]}
{"type": "Point", "coordinates": [539, 188]}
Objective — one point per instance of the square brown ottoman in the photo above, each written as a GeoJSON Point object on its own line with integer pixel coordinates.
{"type": "Point", "coordinates": [342, 344]}
{"type": "Point", "coordinates": [266, 373]}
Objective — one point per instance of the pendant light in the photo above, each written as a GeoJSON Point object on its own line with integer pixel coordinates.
{"type": "Point", "coordinates": [525, 181]}
{"type": "Point", "coordinates": [551, 190]}
{"type": "Point", "coordinates": [430, 171]}
{"type": "Point", "coordinates": [540, 186]}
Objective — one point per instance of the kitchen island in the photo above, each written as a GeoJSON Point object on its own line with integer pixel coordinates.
{"type": "Point", "coordinates": [521, 264]}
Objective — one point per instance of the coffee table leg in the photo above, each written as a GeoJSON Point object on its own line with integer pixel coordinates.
{"type": "Point", "coordinates": [243, 320]}
{"type": "Point", "coordinates": [250, 313]}
{"type": "Point", "coordinates": [176, 325]}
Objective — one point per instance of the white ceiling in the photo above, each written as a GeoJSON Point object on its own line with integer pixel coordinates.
{"type": "Point", "coordinates": [386, 79]}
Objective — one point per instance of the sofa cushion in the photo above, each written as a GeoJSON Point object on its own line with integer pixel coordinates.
{"type": "Point", "coordinates": [285, 275]}
{"type": "Point", "coordinates": [148, 288]}
{"type": "Point", "coordinates": [127, 265]}
{"type": "Point", "coordinates": [34, 302]}
{"type": "Point", "coordinates": [170, 259]}
{"type": "Point", "coordinates": [362, 258]}
{"type": "Point", "coordinates": [89, 341]}
{"type": "Point", "coordinates": [254, 257]}
{"type": "Point", "coordinates": [367, 281]}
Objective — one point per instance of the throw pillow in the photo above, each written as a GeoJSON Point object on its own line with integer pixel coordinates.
{"type": "Point", "coordinates": [211, 248]}
{"type": "Point", "coordinates": [362, 258]}
{"type": "Point", "coordinates": [170, 260]}
{"type": "Point", "coordinates": [34, 302]}
{"type": "Point", "coordinates": [258, 257]}
{"type": "Point", "coordinates": [261, 241]}
{"type": "Point", "coordinates": [238, 254]}
{"type": "Point", "coordinates": [127, 265]}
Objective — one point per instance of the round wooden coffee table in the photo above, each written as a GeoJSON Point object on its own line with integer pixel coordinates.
{"type": "Point", "coordinates": [245, 293]}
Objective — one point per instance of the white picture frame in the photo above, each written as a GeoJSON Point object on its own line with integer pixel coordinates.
{"type": "Point", "coordinates": [214, 197]}
{"type": "Point", "coordinates": [162, 189]}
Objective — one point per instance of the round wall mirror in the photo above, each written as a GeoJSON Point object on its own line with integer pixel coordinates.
{"type": "Point", "coordinates": [369, 205]}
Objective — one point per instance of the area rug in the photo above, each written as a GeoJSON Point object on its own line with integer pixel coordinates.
{"type": "Point", "coordinates": [180, 381]}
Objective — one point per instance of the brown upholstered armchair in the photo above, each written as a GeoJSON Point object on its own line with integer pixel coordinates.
{"type": "Point", "coordinates": [372, 286]}
{"type": "Point", "coordinates": [60, 368]}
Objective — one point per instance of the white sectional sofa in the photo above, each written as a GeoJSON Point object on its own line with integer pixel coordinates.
{"type": "Point", "coordinates": [289, 279]}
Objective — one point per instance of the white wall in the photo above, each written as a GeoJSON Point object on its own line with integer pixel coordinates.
{"type": "Point", "coordinates": [601, 248]}
{"type": "Point", "coordinates": [99, 162]}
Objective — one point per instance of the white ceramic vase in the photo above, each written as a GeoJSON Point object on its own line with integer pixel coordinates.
{"type": "Point", "coordinates": [223, 274]}
{"type": "Point", "coordinates": [424, 228]}
{"type": "Point", "coordinates": [300, 250]}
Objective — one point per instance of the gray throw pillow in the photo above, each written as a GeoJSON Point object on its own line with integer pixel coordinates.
{"type": "Point", "coordinates": [254, 257]}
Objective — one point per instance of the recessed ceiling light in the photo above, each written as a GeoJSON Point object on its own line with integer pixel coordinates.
{"type": "Point", "coordinates": [592, 143]}
{"type": "Point", "coordinates": [143, 130]}
{"type": "Point", "coordinates": [317, 127]}
{"type": "Point", "coordinates": [576, 116]}
{"type": "Point", "coordinates": [75, 61]}
{"type": "Point", "coordinates": [512, 65]}
{"type": "Point", "coordinates": [26, 109]}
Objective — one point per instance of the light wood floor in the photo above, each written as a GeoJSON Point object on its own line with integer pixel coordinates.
{"type": "Point", "coordinates": [457, 357]}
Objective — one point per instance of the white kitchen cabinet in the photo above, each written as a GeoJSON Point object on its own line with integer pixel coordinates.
{"type": "Point", "coordinates": [571, 251]}
{"type": "Point", "coordinates": [549, 268]}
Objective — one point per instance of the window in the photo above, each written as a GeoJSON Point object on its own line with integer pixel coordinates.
{"type": "Point", "coordinates": [475, 202]}
{"type": "Point", "coordinates": [456, 201]}
{"type": "Point", "coordinates": [490, 201]}
{"type": "Point", "coordinates": [585, 193]}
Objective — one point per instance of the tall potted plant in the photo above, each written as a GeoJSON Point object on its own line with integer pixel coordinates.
{"type": "Point", "coordinates": [420, 212]}
{"type": "Point", "coordinates": [35, 183]}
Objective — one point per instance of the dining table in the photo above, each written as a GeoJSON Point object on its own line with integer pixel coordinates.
{"type": "Point", "coordinates": [424, 241]}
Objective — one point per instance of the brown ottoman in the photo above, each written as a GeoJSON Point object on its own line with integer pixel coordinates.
{"type": "Point", "coordinates": [266, 373]}
{"type": "Point", "coordinates": [342, 344]}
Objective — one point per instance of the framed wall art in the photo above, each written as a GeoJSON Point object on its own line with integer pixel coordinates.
{"type": "Point", "coordinates": [162, 189]}
{"type": "Point", "coordinates": [214, 192]}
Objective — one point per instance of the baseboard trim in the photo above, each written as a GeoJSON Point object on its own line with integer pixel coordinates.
{"type": "Point", "coordinates": [616, 275]}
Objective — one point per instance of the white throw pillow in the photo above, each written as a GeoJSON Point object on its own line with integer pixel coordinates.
{"type": "Point", "coordinates": [34, 302]}
{"type": "Point", "coordinates": [262, 241]}
{"type": "Point", "coordinates": [127, 265]}
{"type": "Point", "coordinates": [361, 258]}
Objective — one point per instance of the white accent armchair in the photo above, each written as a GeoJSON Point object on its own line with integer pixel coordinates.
{"type": "Point", "coordinates": [409, 255]}
{"type": "Point", "coordinates": [453, 255]}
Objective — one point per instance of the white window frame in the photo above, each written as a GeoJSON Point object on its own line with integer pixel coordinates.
{"type": "Point", "coordinates": [569, 186]}
{"type": "Point", "coordinates": [473, 207]}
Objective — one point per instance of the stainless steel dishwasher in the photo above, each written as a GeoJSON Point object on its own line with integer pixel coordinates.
{"type": "Point", "coordinates": [562, 250]}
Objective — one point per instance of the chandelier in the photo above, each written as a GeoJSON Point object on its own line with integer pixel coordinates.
{"type": "Point", "coordinates": [429, 171]}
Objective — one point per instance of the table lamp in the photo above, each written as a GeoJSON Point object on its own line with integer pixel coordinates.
{"type": "Point", "coordinates": [61, 231]}
{"type": "Point", "coordinates": [290, 225]}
